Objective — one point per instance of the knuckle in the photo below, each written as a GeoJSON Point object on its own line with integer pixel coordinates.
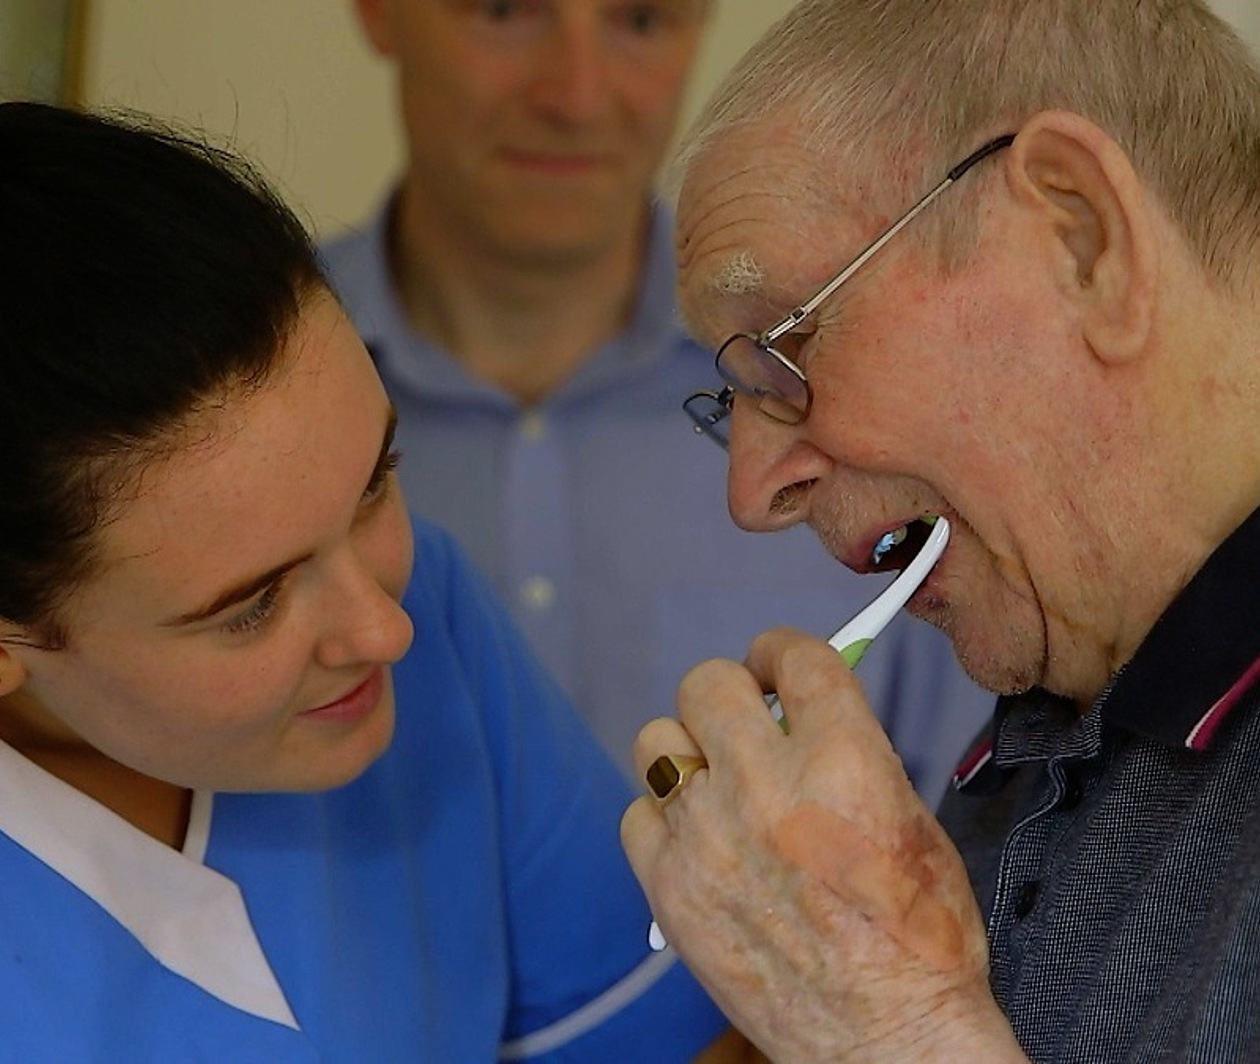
{"type": "Point", "coordinates": [631, 822]}
{"type": "Point", "coordinates": [812, 656]}
{"type": "Point", "coordinates": [808, 669]}
{"type": "Point", "coordinates": [653, 736]}
{"type": "Point", "coordinates": [716, 677]}
{"type": "Point", "coordinates": [765, 643]}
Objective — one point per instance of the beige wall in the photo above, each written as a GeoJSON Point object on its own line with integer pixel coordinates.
{"type": "Point", "coordinates": [1245, 16]}
{"type": "Point", "coordinates": [294, 85]}
{"type": "Point", "coordinates": [296, 88]}
{"type": "Point", "coordinates": [289, 80]}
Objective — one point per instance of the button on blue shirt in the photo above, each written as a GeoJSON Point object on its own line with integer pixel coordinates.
{"type": "Point", "coordinates": [601, 519]}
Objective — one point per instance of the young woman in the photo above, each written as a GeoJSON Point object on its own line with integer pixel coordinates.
{"type": "Point", "coordinates": [244, 815]}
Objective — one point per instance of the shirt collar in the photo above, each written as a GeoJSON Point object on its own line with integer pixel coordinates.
{"type": "Point", "coordinates": [1188, 675]}
{"type": "Point", "coordinates": [1203, 654]}
{"type": "Point", "coordinates": [367, 289]}
{"type": "Point", "coordinates": [190, 918]}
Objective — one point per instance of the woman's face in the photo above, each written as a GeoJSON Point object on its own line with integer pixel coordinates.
{"type": "Point", "coordinates": [238, 632]}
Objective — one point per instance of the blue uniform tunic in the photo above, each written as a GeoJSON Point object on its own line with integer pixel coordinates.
{"type": "Point", "coordinates": [464, 900]}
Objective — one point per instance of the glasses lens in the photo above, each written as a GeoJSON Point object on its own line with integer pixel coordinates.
{"type": "Point", "coordinates": [710, 416]}
{"type": "Point", "coordinates": [765, 376]}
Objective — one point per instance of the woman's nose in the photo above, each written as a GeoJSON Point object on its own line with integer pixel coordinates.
{"type": "Point", "coordinates": [369, 627]}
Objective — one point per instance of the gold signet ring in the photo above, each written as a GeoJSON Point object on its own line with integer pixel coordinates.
{"type": "Point", "coordinates": [670, 773]}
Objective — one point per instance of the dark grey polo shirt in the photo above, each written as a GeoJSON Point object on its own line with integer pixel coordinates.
{"type": "Point", "coordinates": [1116, 855]}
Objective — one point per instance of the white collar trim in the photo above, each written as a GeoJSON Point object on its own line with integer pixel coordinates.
{"type": "Point", "coordinates": [190, 918]}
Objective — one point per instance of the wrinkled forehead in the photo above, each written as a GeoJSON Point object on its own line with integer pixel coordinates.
{"type": "Point", "coordinates": [761, 219]}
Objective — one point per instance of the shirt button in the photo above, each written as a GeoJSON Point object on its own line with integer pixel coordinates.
{"type": "Point", "coordinates": [1026, 899]}
{"type": "Point", "coordinates": [538, 593]}
{"type": "Point", "coordinates": [533, 426]}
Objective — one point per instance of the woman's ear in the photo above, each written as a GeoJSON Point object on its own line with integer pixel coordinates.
{"type": "Point", "coordinates": [1094, 225]}
{"type": "Point", "coordinates": [12, 667]}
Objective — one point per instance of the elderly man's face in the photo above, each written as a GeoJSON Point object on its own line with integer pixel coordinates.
{"type": "Point", "coordinates": [537, 125]}
{"type": "Point", "coordinates": [949, 396]}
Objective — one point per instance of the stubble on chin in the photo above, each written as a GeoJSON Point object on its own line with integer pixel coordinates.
{"type": "Point", "coordinates": [1000, 657]}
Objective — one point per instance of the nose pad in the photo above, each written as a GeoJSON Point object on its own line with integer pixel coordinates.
{"type": "Point", "coordinates": [773, 468]}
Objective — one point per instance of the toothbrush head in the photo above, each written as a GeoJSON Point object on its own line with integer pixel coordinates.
{"type": "Point", "coordinates": [914, 535]}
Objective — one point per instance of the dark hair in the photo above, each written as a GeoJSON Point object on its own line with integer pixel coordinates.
{"type": "Point", "coordinates": [147, 274]}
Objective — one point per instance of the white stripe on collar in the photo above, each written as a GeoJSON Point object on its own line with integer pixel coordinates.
{"type": "Point", "coordinates": [190, 918]}
{"type": "Point", "coordinates": [621, 995]}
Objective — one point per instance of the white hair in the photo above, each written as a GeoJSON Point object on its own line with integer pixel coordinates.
{"type": "Point", "coordinates": [904, 89]}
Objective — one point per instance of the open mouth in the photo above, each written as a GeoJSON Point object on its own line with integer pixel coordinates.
{"type": "Point", "coordinates": [898, 547]}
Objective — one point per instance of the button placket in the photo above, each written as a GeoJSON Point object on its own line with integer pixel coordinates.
{"type": "Point", "coordinates": [538, 540]}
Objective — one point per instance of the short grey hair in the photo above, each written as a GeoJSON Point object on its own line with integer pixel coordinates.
{"type": "Point", "coordinates": [903, 89]}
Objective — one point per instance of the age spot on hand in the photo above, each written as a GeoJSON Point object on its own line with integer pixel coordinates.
{"type": "Point", "coordinates": [892, 882]}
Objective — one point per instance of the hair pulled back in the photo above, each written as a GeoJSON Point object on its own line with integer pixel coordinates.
{"type": "Point", "coordinates": [146, 276]}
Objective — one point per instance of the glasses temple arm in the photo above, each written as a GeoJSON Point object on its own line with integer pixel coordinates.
{"type": "Point", "coordinates": [810, 305]}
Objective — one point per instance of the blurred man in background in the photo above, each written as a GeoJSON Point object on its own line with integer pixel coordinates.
{"type": "Point", "coordinates": [517, 293]}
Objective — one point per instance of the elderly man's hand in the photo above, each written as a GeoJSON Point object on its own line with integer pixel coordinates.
{"type": "Point", "coordinates": [802, 879]}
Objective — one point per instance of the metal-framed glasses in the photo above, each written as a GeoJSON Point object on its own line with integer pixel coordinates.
{"type": "Point", "coordinates": [752, 367]}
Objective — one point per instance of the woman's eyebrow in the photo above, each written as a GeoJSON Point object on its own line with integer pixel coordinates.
{"type": "Point", "coordinates": [251, 586]}
{"type": "Point", "coordinates": [241, 592]}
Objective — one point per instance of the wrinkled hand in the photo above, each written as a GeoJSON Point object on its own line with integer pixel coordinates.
{"type": "Point", "coordinates": [801, 878]}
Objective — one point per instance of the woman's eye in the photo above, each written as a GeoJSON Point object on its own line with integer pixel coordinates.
{"type": "Point", "coordinates": [259, 613]}
{"type": "Point", "coordinates": [380, 478]}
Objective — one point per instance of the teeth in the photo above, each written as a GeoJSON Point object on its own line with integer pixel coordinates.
{"type": "Point", "coordinates": [887, 541]}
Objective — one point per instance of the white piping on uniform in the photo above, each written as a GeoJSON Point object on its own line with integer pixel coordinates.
{"type": "Point", "coordinates": [594, 1013]}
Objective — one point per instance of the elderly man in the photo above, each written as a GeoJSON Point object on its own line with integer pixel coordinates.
{"type": "Point", "coordinates": [517, 291]}
{"type": "Point", "coordinates": [1059, 355]}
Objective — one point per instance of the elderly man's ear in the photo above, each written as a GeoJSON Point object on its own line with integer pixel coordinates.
{"type": "Point", "coordinates": [1092, 226]}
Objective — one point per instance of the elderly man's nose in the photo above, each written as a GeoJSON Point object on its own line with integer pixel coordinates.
{"type": "Point", "coordinates": [571, 77]}
{"type": "Point", "coordinates": [772, 471]}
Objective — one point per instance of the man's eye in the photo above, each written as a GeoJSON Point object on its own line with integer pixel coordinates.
{"type": "Point", "coordinates": [790, 345]}
{"type": "Point", "coordinates": [641, 19]}
{"type": "Point", "coordinates": [502, 10]}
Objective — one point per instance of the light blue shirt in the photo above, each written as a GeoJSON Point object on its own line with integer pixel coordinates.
{"type": "Point", "coordinates": [465, 900]}
{"type": "Point", "coordinates": [601, 519]}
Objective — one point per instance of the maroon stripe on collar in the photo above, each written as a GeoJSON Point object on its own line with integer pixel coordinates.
{"type": "Point", "coordinates": [971, 765]}
{"type": "Point", "coordinates": [1201, 735]}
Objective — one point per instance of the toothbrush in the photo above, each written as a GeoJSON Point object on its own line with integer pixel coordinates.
{"type": "Point", "coordinates": [854, 639]}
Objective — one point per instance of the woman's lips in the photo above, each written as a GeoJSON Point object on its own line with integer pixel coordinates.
{"type": "Point", "coordinates": [353, 705]}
